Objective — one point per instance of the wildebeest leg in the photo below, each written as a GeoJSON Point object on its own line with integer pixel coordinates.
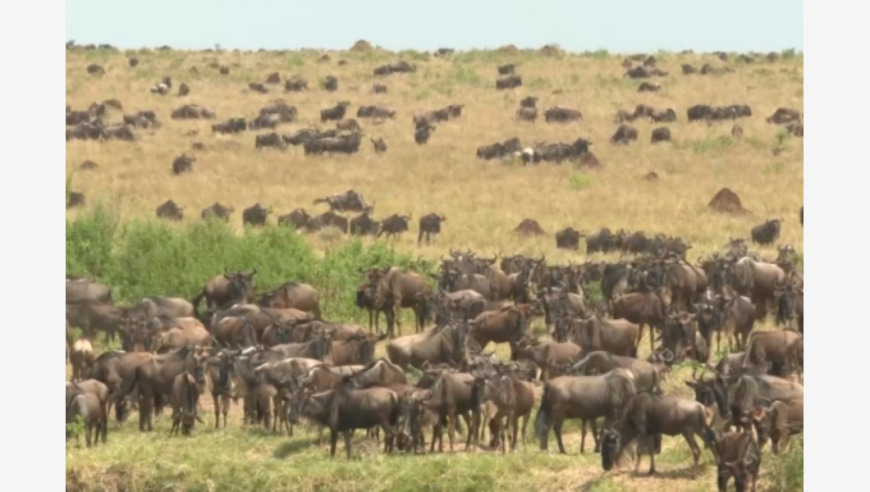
{"type": "Point", "coordinates": [595, 436]}
{"type": "Point", "coordinates": [225, 407]}
{"type": "Point", "coordinates": [639, 336]}
{"type": "Point", "coordinates": [217, 410]}
{"type": "Point", "coordinates": [557, 429]}
{"type": "Point", "coordinates": [451, 427]}
{"type": "Point", "coordinates": [696, 451]}
{"type": "Point", "coordinates": [583, 437]}
{"type": "Point", "coordinates": [397, 314]}
{"type": "Point", "coordinates": [89, 428]}
{"type": "Point", "coordinates": [526, 419]}
{"type": "Point", "coordinates": [145, 401]}
{"type": "Point", "coordinates": [333, 440]}
{"type": "Point", "coordinates": [347, 436]}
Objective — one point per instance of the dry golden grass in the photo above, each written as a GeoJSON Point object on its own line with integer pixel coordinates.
{"type": "Point", "coordinates": [483, 201]}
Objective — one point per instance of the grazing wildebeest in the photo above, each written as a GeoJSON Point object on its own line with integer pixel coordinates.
{"type": "Point", "coordinates": [508, 82]}
{"type": "Point", "coordinates": [258, 87]}
{"type": "Point", "coordinates": [328, 219]}
{"type": "Point", "coordinates": [380, 145]}
{"type": "Point", "coordinates": [334, 113]}
{"type": "Point", "coordinates": [739, 456]}
{"type": "Point", "coordinates": [624, 134]}
{"type": "Point", "coordinates": [394, 225]}
{"type": "Point", "coordinates": [272, 139]}
{"type": "Point", "coordinates": [527, 114]}
{"type": "Point", "coordinates": [255, 215]}
{"type": "Point", "coordinates": [583, 397]}
{"type": "Point", "coordinates": [783, 116]}
{"type": "Point", "coordinates": [233, 125]}
{"type": "Point", "coordinates": [562, 115]}
{"type": "Point", "coordinates": [379, 89]}
{"type": "Point", "coordinates": [299, 218]}
{"type": "Point", "coordinates": [363, 224]}
{"type": "Point", "coordinates": [767, 232]}
{"type": "Point", "coordinates": [184, 400]}
{"type": "Point", "coordinates": [183, 164]}
{"type": "Point", "coordinates": [661, 134]}
{"type": "Point", "coordinates": [295, 85]}
{"type": "Point", "coordinates": [87, 406]}
{"type": "Point", "coordinates": [265, 120]}
{"type": "Point", "coordinates": [218, 211]}
{"type": "Point", "coordinates": [506, 69]}
{"type": "Point", "coordinates": [568, 238]}
{"type": "Point", "coordinates": [380, 112]}
{"type": "Point", "coordinates": [170, 210]}
{"type": "Point", "coordinates": [648, 414]}
{"type": "Point", "coordinates": [648, 87]}
{"type": "Point", "coordinates": [430, 225]}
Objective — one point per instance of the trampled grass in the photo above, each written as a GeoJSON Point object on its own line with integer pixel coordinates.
{"type": "Point", "coordinates": [483, 202]}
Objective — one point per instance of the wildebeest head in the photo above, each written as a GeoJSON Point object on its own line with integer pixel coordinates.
{"type": "Point", "coordinates": [610, 447]}
{"type": "Point", "coordinates": [242, 284]}
{"type": "Point", "coordinates": [678, 334]}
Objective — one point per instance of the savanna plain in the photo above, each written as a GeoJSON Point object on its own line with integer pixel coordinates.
{"type": "Point", "coordinates": [116, 239]}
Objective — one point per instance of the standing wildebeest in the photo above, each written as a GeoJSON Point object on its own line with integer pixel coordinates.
{"type": "Point", "coordinates": [509, 324]}
{"type": "Point", "coordinates": [380, 145]}
{"type": "Point", "coordinates": [568, 238]}
{"type": "Point", "coordinates": [218, 211]}
{"type": "Point", "coordinates": [646, 375]}
{"type": "Point", "coordinates": [225, 290]}
{"type": "Point", "coordinates": [562, 115]}
{"type": "Point", "coordinates": [81, 358]}
{"type": "Point", "coordinates": [506, 69]}
{"type": "Point", "coordinates": [582, 397]}
{"type": "Point", "coordinates": [739, 456]}
{"type": "Point", "coordinates": [430, 224]}
{"type": "Point", "coordinates": [184, 400]}
{"type": "Point", "coordinates": [87, 405]}
{"type": "Point", "coordinates": [394, 225]}
{"type": "Point", "coordinates": [661, 134]}
{"type": "Point", "coordinates": [255, 215]}
{"type": "Point", "coordinates": [617, 336]}
{"type": "Point", "coordinates": [330, 83]}
{"type": "Point", "coordinates": [334, 113]}
{"type": "Point", "coordinates": [292, 295]}
{"type": "Point", "coordinates": [82, 290]}
{"type": "Point", "coordinates": [365, 299]}
{"type": "Point", "coordinates": [767, 232]}
{"type": "Point", "coordinates": [777, 421]}
{"type": "Point", "coordinates": [756, 280]}
{"type": "Point", "coordinates": [648, 414]}
{"type": "Point", "coordinates": [91, 316]}
{"type": "Point", "coordinates": [272, 139]}
{"type": "Point", "coordinates": [170, 210]}
{"type": "Point", "coordinates": [439, 345]}
{"type": "Point", "coordinates": [624, 134]}
{"type": "Point", "coordinates": [349, 201]}
{"type": "Point", "coordinates": [220, 368]}
{"type": "Point", "coordinates": [299, 218]}
{"type": "Point", "coordinates": [784, 347]}
{"type": "Point", "coordinates": [508, 82]}
{"type": "Point", "coordinates": [328, 219]}
{"type": "Point", "coordinates": [398, 289]}
{"type": "Point", "coordinates": [643, 308]}
{"type": "Point", "coordinates": [363, 224]}
{"type": "Point", "coordinates": [422, 132]}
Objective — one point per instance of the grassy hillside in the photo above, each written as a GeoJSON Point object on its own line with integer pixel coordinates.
{"type": "Point", "coordinates": [483, 201]}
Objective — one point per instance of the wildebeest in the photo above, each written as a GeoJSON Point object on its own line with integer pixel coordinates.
{"type": "Point", "coordinates": [568, 238]}
{"type": "Point", "coordinates": [506, 325]}
{"type": "Point", "coordinates": [784, 116]}
{"type": "Point", "coordinates": [643, 308]}
{"type": "Point", "coordinates": [767, 232]}
{"type": "Point", "coordinates": [82, 290]}
{"type": "Point", "coordinates": [400, 289]}
{"type": "Point", "coordinates": [499, 149]}
{"type": "Point", "coordinates": [258, 87]}
{"type": "Point", "coordinates": [233, 125]}
{"type": "Point", "coordinates": [784, 347]}
{"type": "Point", "coordinates": [624, 134]}
{"type": "Point", "coordinates": [380, 145]}
{"type": "Point", "coordinates": [255, 215]}
{"type": "Point", "coordinates": [527, 114]}
{"type": "Point", "coordinates": [183, 90]}
{"type": "Point", "coordinates": [777, 421]}
{"type": "Point", "coordinates": [363, 224]}
{"type": "Point", "coordinates": [661, 134]}
{"type": "Point", "coordinates": [184, 400]}
{"type": "Point", "coordinates": [272, 139]}
{"type": "Point", "coordinates": [273, 78]}
{"type": "Point", "coordinates": [506, 69]}
{"type": "Point", "coordinates": [295, 85]}
{"type": "Point", "coordinates": [192, 111]}
{"type": "Point", "coordinates": [330, 83]}
{"type": "Point", "coordinates": [81, 358]}
{"type": "Point", "coordinates": [756, 280]}
{"type": "Point", "coordinates": [265, 120]}
{"type": "Point", "coordinates": [617, 336]}
{"type": "Point", "coordinates": [87, 406]}
{"type": "Point", "coordinates": [739, 456]}
{"type": "Point", "coordinates": [508, 82]}
{"type": "Point", "coordinates": [560, 114]}
{"type": "Point", "coordinates": [328, 219]}
{"type": "Point", "coordinates": [349, 201]}
{"type": "Point", "coordinates": [529, 227]}
{"type": "Point", "coordinates": [345, 143]}
{"type": "Point", "coordinates": [226, 289]}
{"type": "Point", "coordinates": [583, 397]}
{"type": "Point", "coordinates": [375, 112]}
{"type": "Point", "coordinates": [299, 218]}
{"type": "Point", "coordinates": [648, 414]}
{"type": "Point", "coordinates": [334, 113]}
{"type": "Point", "coordinates": [218, 211]}
{"type": "Point", "coordinates": [183, 164]}
{"type": "Point", "coordinates": [422, 133]}
{"type": "Point", "coordinates": [648, 87]}
{"type": "Point", "coordinates": [170, 210]}
{"type": "Point", "coordinates": [430, 225]}
{"type": "Point", "coordinates": [379, 89]}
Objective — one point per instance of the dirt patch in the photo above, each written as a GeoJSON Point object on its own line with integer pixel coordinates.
{"type": "Point", "coordinates": [726, 201]}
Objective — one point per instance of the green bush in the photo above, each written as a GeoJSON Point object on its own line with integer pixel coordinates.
{"type": "Point", "coordinates": [150, 257]}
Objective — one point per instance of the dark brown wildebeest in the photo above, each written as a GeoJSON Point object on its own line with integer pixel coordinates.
{"type": "Point", "coordinates": [647, 415]}
{"type": "Point", "coordinates": [529, 102]}
{"type": "Point", "coordinates": [499, 149]}
{"type": "Point", "coordinates": [225, 290]}
{"type": "Point", "coordinates": [170, 210]}
{"type": "Point", "coordinates": [394, 225]}
{"type": "Point", "coordinates": [379, 89]}
{"type": "Point", "coordinates": [295, 85]}
{"type": "Point", "coordinates": [183, 164]}
{"type": "Point", "coordinates": [527, 114]}
{"type": "Point", "coordinates": [449, 394]}
{"type": "Point", "coordinates": [363, 224]}
{"type": "Point", "coordinates": [661, 134]}
{"type": "Point", "coordinates": [89, 166]}
{"type": "Point", "coordinates": [299, 218]}
{"type": "Point", "coordinates": [192, 111]}
{"type": "Point", "coordinates": [334, 113]}
{"type": "Point", "coordinates": [273, 78]}
{"type": "Point", "coordinates": [680, 335]}
{"type": "Point", "coordinates": [506, 325]}
{"type": "Point", "coordinates": [350, 125]}
{"type": "Point", "coordinates": [507, 69]}
{"type": "Point", "coordinates": [82, 290]}
{"type": "Point", "coordinates": [547, 356]}
{"type": "Point", "coordinates": [233, 125]}
{"type": "Point", "coordinates": [756, 280]}
{"type": "Point", "coordinates": [642, 72]}
{"type": "Point", "coordinates": [739, 456]}
{"type": "Point", "coordinates": [365, 299]}
{"type": "Point", "coordinates": [508, 82]}
{"type": "Point", "coordinates": [617, 336]}
{"type": "Point", "coordinates": [682, 283]}
{"type": "Point", "coordinates": [430, 225]}
{"type": "Point", "coordinates": [643, 308]}
{"type": "Point", "coordinates": [272, 139]}
{"type": "Point", "coordinates": [183, 90]}
{"type": "Point", "coordinates": [154, 378]}
{"type": "Point", "coordinates": [784, 347]}
{"type": "Point", "coordinates": [663, 116]}
{"type": "Point", "coordinates": [344, 409]}
{"type": "Point", "coordinates": [380, 145]}
{"type": "Point", "coordinates": [92, 316]}
{"type": "Point", "coordinates": [561, 115]}
{"type": "Point", "coordinates": [258, 87]}
{"type": "Point", "coordinates": [568, 238]}
{"type": "Point", "coordinates": [422, 133]}
{"type": "Point", "coordinates": [767, 232]}
{"type": "Point", "coordinates": [784, 116]}
{"type": "Point", "coordinates": [399, 289]}
{"type": "Point", "coordinates": [439, 345]}
{"type": "Point", "coordinates": [648, 87]}
{"type": "Point", "coordinates": [328, 219]}
{"type": "Point", "coordinates": [220, 369]}
{"type": "Point", "coordinates": [790, 307]}
{"type": "Point", "coordinates": [349, 201]}
{"type": "Point", "coordinates": [529, 227]}
{"type": "Point", "coordinates": [796, 129]}
{"type": "Point", "coordinates": [184, 399]}
{"type": "Point", "coordinates": [93, 68]}
{"type": "Point", "coordinates": [582, 397]}
{"type": "Point", "coordinates": [737, 401]}
{"type": "Point", "coordinates": [255, 215]}
{"type": "Point", "coordinates": [688, 69]}
{"type": "Point", "coordinates": [87, 406]}
{"type": "Point", "coordinates": [647, 376]}
{"type": "Point", "coordinates": [777, 421]}
{"type": "Point", "coordinates": [292, 295]}
{"type": "Point", "coordinates": [217, 211]}
{"type": "Point", "coordinates": [624, 135]}
{"type": "Point", "coordinates": [133, 61]}
{"type": "Point", "coordinates": [265, 120]}
{"type": "Point", "coordinates": [380, 112]}
{"type": "Point", "coordinates": [603, 241]}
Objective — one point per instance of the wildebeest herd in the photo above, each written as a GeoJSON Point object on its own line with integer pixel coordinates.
{"type": "Point", "coordinates": [275, 353]}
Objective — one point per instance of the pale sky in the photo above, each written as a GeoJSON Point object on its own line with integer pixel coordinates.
{"type": "Point", "coordinates": [619, 26]}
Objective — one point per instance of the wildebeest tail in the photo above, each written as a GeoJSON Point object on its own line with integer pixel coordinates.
{"type": "Point", "coordinates": [543, 415]}
{"type": "Point", "coordinates": [709, 438]}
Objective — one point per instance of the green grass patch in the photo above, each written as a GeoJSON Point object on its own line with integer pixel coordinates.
{"type": "Point", "coordinates": [712, 144]}
{"type": "Point", "coordinates": [579, 181]}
